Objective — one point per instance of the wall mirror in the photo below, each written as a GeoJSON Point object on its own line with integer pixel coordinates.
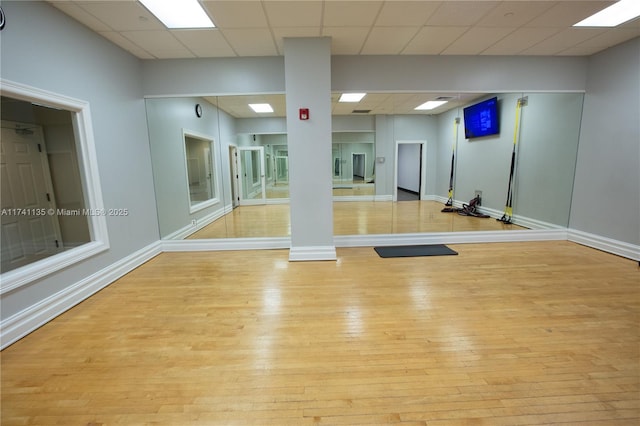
{"type": "Point", "coordinates": [392, 164]}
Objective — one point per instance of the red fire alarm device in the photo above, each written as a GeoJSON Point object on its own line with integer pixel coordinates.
{"type": "Point", "coordinates": [304, 113]}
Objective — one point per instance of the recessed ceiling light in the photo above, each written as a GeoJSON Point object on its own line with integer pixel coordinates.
{"type": "Point", "coordinates": [429, 105]}
{"type": "Point", "coordinates": [614, 15]}
{"type": "Point", "coordinates": [261, 108]}
{"type": "Point", "coordinates": [351, 97]}
{"type": "Point", "coordinates": [179, 14]}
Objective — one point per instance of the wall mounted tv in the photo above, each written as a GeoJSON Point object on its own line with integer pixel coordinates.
{"type": "Point", "coordinates": [481, 119]}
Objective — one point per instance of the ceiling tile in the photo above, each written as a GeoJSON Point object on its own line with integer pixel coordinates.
{"type": "Point", "coordinates": [346, 41]}
{"type": "Point", "coordinates": [567, 13]}
{"type": "Point", "coordinates": [460, 13]}
{"type": "Point", "coordinates": [123, 16]}
{"type": "Point", "coordinates": [204, 43]}
{"type": "Point", "coordinates": [294, 13]}
{"type": "Point", "coordinates": [81, 15]}
{"type": "Point", "coordinates": [563, 40]}
{"type": "Point", "coordinates": [519, 40]}
{"type": "Point", "coordinates": [388, 40]}
{"type": "Point", "coordinates": [126, 44]}
{"type": "Point", "coordinates": [476, 40]}
{"type": "Point", "coordinates": [405, 13]}
{"type": "Point", "coordinates": [236, 14]}
{"type": "Point", "coordinates": [350, 13]}
{"type": "Point", "coordinates": [251, 41]}
{"type": "Point", "coordinates": [514, 13]}
{"type": "Point", "coordinates": [433, 40]}
{"type": "Point", "coordinates": [156, 42]}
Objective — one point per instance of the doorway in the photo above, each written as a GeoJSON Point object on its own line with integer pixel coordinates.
{"type": "Point", "coordinates": [252, 176]}
{"type": "Point", "coordinates": [410, 170]}
{"type": "Point", "coordinates": [358, 162]}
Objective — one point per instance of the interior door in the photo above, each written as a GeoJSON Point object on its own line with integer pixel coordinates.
{"type": "Point", "coordinates": [29, 225]}
{"type": "Point", "coordinates": [252, 176]}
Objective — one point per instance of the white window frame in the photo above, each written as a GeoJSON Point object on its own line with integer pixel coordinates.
{"type": "Point", "coordinates": [88, 164]}
{"type": "Point", "coordinates": [193, 208]}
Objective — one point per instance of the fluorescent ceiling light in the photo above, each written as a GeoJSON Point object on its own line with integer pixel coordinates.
{"type": "Point", "coordinates": [429, 105]}
{"type": "Point", "coordinates": [351, 97]}
{"type": "Point", "coordinates": [179, 14]}
{"type": "Point", "coordinates": [261, 108]}
{"type": "Point", "coordinates": [614, 15]}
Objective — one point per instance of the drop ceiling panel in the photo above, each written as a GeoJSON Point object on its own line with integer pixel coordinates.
{"type": "Point", "coordinates": [294, 13]}
{"type": "Point", "coordinates": [251, 41]}
{"type": "Point", "coordinates": [126, 44]}
{"type": "Point", "coordinates": [476, 40]}
{"type": "Point", "coordinates": [513, 13]}
{"type": "Point", "coordinates": [520, 40]}
{"type": "Point", "coordinates": [123, 16]}
{"type": "Point", "coordinates": [236, 14]}
{"type": "Point", "coordinates": [566, 13]}
{"type": "Point", "coordinates": [204, 43]}
{"type": "Point", "coordinates": [461, 13]}
{"type": "Point", "coordinates": [388, 40]}
{"type": "Point", "coordinates": [406, 13]}
{"type": "Point", "coordinates": [433, 40]}
{"type": "Point", "coordinates": [350, 13]}
{"type": "Point", "coordinates": [81, 15]}
{"type": "Point", "coordinates": [256, 28]}
{"type": "Point", "coordinates": [158, 43]}
{"type": "Point", "coordinates": [563, 40]}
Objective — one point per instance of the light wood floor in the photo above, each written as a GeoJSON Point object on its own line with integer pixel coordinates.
{"type": "Point", "coordinates": [502, 334]}
{"type": "Point", "coordinates": [350, 218]}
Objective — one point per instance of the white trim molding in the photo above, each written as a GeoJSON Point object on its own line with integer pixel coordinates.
{"type": "Point", "coordinates": [24, 322]}
{"type": "Point", "coordinates": [608, 245]}
{"type": "Point", "coordinates": [91, 187]}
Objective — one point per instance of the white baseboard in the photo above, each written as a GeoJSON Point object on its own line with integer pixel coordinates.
{"type": "Point", "coordinates": [22, 323]}
{"type": "Point", "coordinates": [221, 244]}
{"type": "Point", "coordinates": [620, 248]}
{"type": "Point", "coordinates": [449, 238]}
{"type": "Point", "coordinates": [297, 254]}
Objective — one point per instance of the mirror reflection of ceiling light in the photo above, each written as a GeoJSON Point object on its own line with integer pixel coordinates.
{"type": "Point", "coordinates": [261, 108]}
{"type": "Point", "coordinates": [351, 97]}
{"type": "Point", "coordinates": [429, 105]}
{"type": "Point", "coordinates": [179, 14]}
{"type": "Point", "coordinates": [614, 15]}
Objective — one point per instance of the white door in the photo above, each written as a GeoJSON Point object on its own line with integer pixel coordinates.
{"type": "Point", "coordinates": [29, 231]}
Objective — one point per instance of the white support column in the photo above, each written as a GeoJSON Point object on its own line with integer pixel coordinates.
{"type": "Point", "coordinates": [308, 85]}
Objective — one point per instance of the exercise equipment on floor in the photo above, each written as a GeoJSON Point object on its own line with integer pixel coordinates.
{"type": "Point", "coordinates": [471, 209]}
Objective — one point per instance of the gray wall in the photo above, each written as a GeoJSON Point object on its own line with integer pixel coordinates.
{"type": "Point", "coordinates": [606, 196]}
{"type": "Point", "coordinates": [43, 48]}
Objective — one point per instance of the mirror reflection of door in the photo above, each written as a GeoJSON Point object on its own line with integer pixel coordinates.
{"type": "Point", "coordinates": [29, 231]}
{"type": "Point", "coordinates": [252, 175]}
{"type": "Point", "coordinates": [235, 176]}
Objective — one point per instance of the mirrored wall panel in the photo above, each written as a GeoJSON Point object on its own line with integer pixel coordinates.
{"type": "Point", "coordinates": [401, 163]}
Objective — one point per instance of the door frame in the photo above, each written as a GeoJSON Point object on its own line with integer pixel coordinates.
{"type": "Point", "coordinates": [263, 183]}
{"type": "Point", "coordinates": [423, 166]}
{"type": "Point", "coordinates": [234, 170]}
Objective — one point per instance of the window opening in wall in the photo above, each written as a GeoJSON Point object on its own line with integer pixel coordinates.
{"type": "Point", "coordinates": [51, 204]}
{"type": "Point", "coordinates": [199, 157]}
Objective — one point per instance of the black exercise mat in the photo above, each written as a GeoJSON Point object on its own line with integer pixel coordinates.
{"type": "Point", "coordinates": [413, 251]}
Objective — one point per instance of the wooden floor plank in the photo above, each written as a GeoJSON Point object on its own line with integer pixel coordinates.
{"type": "Point", "coordinates": [502, 334]}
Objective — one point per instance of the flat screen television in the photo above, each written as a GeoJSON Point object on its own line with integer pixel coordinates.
{"type": "Point", "coordinates": [481, 119]}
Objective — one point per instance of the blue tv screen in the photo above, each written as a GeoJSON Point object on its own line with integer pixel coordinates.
{"type": "Point", "coordinates": [481, 119]}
